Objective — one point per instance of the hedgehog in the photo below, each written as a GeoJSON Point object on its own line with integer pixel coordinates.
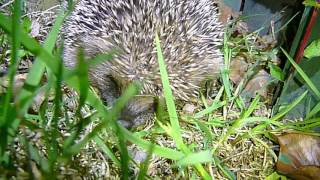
{"type": "Point", "coordinates": [190, 34]}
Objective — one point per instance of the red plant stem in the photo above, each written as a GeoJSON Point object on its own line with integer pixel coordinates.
{"type": "Point", "coordinates": [306, 36]}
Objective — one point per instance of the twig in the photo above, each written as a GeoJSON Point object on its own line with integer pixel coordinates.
{"type": "Point", "coordinates": [7, 4]}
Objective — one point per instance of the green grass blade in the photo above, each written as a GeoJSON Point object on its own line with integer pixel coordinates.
{"type": "Point", "coordinates": [53, 134]}
{"type": "Point", "coordinates": [123, 154]}
{"type": "Point", "coordinates": [15, 45]}
{"type": "Point", "coordinates": [285, 25]}
{"type": "Point", "coordinates": [225, 170]}
{"type": "Point", "coordinates": [314, 111]}
{"type": "Point", "coordinates": [214, 106]}
{"type": "Point", "coordinates": [157, 150]}
{"type": "Point", "coordinates": [174, 121]}
{"type": "Point", "coordinates": [144, 166]}
{"type": "Point", "coordinates": [195, 158]}
{"type": "Point", "coordinates": [107, 150]}
{"type": "Point", "coordinates": [33, 154]}
{"type": "Point", "coordinates": [289, 107]}
{"type": "Point", "coordinates": [225, 71]}
{"type": "Point", "coordinates": [241, 121]}
{"type": "Point", "coordinates": [279, 115]}
{"type": "Point", "coordinates": [169, 97]}
{"type": "Point", "coordinates": [38, 67]}
{"type": "Point", "coordinates": [8, 119]}
{"type": "Point", "coordinates": [251, 108]}
{"type": "Point", "coordinates": [82, 71]}
{"type": "Point", "coordinates": [303, 75]}
{"type": "Point", "coordinates": [207, 133]}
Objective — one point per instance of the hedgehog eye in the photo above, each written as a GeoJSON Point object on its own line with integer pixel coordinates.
{"type": "Point", "coordinates": [144, 65]}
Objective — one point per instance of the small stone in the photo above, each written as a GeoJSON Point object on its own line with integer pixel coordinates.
{"type": "Point", "coordinates": [139, 156]}
{"type": "Point", "coordinates": [189, 109]}
{"type": "Point", "coordinates": [35, 29]}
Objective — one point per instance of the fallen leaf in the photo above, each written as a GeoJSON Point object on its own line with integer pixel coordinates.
{"type": "Point", "coordinates": [312, 50]}
{"type": "Point", "coordinates": [226, 13]}
{"type": "Point", "coordinates": [259, 84]}
{"type": "Point", "coordinates": [19, 80]}
{"type": "Point", "coordinates": [266, 43]}
{"type": "Point", "coordinates": [37, 101]}
{"type": "Point", "coordinates": [238, 68]}
{"type": "Point", "coordinates": [299, 156]}
{"type": "Point", "coordinates": [17, 85]}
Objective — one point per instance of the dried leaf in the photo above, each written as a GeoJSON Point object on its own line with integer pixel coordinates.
{"type": "Point", "coordinates": [37, 101]}
{"type": "Point", "coordinates": [259, 84]}
{"type": "Point", "coordinates": [18, 83]}
{"type": "Point", "coordinates": [226, 13]}
{"type": "Point", "coordinates": [238, 68]}
{"type": "Point", "coordinates": [299, 156]}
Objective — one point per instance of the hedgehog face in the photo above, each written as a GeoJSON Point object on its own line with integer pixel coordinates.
{"type": "Point", "coordinates": [138, 110]}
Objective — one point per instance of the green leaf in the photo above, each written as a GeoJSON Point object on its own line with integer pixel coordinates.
{"type": "Point", "coordinates": [276, 72]}
{"type": "Point", "coordinates": [194, 158]}
{"type": "Point", "coordinates": [312, 3]}
{"type": "Point", "coordinates": [26, 24]}
{"type": "Point", "coordinates": [275, 176]}
{"type": "Point", "coordinates": [107, 150]}
{"type": "Point", "coordinates": [313, 50]}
